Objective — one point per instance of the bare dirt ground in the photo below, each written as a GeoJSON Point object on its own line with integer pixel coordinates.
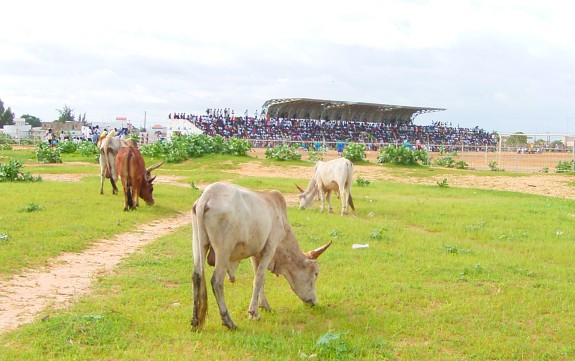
{"type": "Point", "coordinates": [65, 278]}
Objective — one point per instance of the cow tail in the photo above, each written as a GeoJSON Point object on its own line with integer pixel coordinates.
{"type": "Point", "coordinates": [198, 277]}
{"type": "Point", "coordinates": [129, 183]}
{"type": "Point", "coordinates": [350, 202]}
{"type": "Point", "coordinates": [350, 180]}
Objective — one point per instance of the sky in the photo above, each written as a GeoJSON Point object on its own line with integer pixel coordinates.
{"type": "Point", "coordinates": [506, 66]}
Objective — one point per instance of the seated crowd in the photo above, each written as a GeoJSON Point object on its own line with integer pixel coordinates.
{"type": "Point", "coordinates": [308, 130]}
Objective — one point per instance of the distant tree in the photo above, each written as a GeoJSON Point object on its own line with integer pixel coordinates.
{"type": "Point", "coordinates": [32, 120]}
{"type": "Point", "coordinates": [6, 115]}
{"type": "Point", "coordinates": [66, 114]}
{"type": "Point", "coordinates": [82, 118]}
{"type": "Point", "coordinates": [517, 139]}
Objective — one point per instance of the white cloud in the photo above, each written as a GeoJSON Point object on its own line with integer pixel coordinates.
{"type": "Point", "coordinates": [482, 60]}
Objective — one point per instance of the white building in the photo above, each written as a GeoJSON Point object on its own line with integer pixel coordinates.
{"type": "Point", "coordinates": [20, 130]}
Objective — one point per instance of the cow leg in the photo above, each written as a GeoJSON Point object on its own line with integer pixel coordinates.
{"type": "Point", "coordinates": [232, 271]}
{"type": "Point", "coordinates": [102, 173]}
{"type": "Point", "coordinates": [126, 196]}
{"type": "Point", "coordinates": [344, 201]}
{"type": "Point", "coordinates": [263, 302]}
{"type": "Point", "coordinates": [259, 280]}
{"type": "Point", "coordinates": [218, 288]}
{"type": "Point", "coordinates": [327, 197]}
{"type": "Point", "coordinates": [322, 198]}
{"type": "Point", "coordinates": [135, 197]}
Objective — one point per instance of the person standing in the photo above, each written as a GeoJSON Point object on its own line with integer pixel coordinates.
{"type": "Point", "coordinates": [340, 146]}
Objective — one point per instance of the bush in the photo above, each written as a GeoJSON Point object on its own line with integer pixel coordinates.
{"type": "Point", "coordinates": [564, 166]}
{"type": "Point", "coordinates": [87, 148]}
{"type": "Point", "coordinates": [362, 182]}
{"type": "Point", "coordinates": [11, 173]}
{"type": "Point", "coordinates": [67, 147]}
{"type": "Point", "coordinates": [239, 147]}
{"type": "Point", "coordinates": [315, 155]}
{"type": "Point", "coordinates": [283, 152]}
{"type": "Point", "coordinates": [47, 154]}
{"type": "Point", "coordinates": [354, 152]}
{"type": "Point", "coordinates": [182, 147]}
{"type": "Point", "coordinates": [402, 155]}
{"type": "Point", "coordinates": [448, 160]}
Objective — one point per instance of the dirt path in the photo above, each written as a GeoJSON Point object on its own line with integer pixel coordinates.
{"type": "Point", "coordinates": [67, 277]}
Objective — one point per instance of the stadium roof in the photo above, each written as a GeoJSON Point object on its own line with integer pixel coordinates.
{"type": "Point", "coordinates": [302, 108]}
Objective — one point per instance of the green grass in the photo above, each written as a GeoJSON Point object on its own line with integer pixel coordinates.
{"type": "Point", "coordinates": [450, 274]}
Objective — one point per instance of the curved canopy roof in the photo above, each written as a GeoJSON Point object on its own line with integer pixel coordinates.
{"type": "Point", "coordinates": [302, 108]}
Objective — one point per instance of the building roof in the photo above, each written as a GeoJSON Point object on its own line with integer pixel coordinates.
{"type": "Point", "coordinates": [303, 108]}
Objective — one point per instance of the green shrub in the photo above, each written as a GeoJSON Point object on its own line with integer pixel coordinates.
{"type": "Point", "coordinates": [11, 173]}
{"type": "Point", "coordinates": [6, 139]}
{"type": "Point", "coordinates": [239, 147]}
{"type": "Point", "coordinates": [564, 166]}
{"type": "Point", "coordinates": [402, 155]}
{"type": "Point", "coordinates": [448, 160]}
{"type": "Point", "coordinates": [283, 152]}
{"type": "Point", "coordinates": [87, 148]}
{"type": "Point", "coordinates": [47, 154]}
{"type": "Point", "coordinates": [362, 182]}
{"type": "Point", "coordinates": [460, 164]}
{"type": "Point", "coordinates": [493, 166]}
{"type": "Point", "coordinates": [67, 147]}
{"type": "Point", "coordinates": [315, 155]}
{"type": "Point", "coordinates": [354, 152]}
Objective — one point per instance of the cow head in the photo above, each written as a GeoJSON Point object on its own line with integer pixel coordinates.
{"type": "Point", "coordinates": [147, 187]}
{"type": "Point", "coordinates": [302, 277]}
{"type": "Point", "coordinates": [307, 196]}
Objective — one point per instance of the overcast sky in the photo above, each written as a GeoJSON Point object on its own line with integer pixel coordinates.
{"type": "Point", "coordinates": [501, 65]}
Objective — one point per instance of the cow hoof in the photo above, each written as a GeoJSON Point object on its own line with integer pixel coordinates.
{"type": "Point", "coordinates": [230, 325]}
{"type": "Point", "coordinates": [254, 315]}
{"type": "Point", "coordinates": [196, 325]}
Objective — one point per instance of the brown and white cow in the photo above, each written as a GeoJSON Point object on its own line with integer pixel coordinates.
{"type": "Point", "coordinates": [109, 146]}
{"type": "Point", "coordinates": [136, 179]}
{"type": "Point", "coordinates": [235, 223]}
{"type": "Point", "coordinates": [335, 175]}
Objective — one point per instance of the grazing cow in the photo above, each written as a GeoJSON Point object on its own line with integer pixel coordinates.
{"type": "Point", "coordinates": [335, 175]}
{"type": "Point", "coordinates": [109, 146]}
{"type": "Point", "coordinates": [234, 223]}
{"type": "Point", "coordinates": [136, 179]}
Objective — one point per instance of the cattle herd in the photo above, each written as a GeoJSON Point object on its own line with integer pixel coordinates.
{"type": "Point", "coordinates": [232, 223]}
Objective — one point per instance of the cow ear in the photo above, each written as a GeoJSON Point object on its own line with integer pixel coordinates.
{"type": "Point", "coordinates": [151, 179]}
{"type": "Point", "coordinates": [299, 188]}
{"type": "Point", "coordinates": [317, 252]}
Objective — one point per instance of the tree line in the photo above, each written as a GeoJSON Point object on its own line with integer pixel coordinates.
{"type": "Point", "coordinates": [65, 114]}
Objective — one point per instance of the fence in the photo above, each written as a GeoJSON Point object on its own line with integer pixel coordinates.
{"type": "Point", "coordinates": [534, 152]}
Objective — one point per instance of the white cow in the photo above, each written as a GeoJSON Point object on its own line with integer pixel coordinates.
{"type": "Point", "coordinates": [234, 223]}
{"type": "Point", "coordinates": [109, 147]}
{"type": "Point", "coordinates": [335, 175]}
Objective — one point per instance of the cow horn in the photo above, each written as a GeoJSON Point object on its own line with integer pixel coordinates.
{"type": "Point", "coordinates": [152, 167]}
{"type": "Point", "coordinates": [299, 188]}
{"type": "Point", "coordinates": [317, 252]}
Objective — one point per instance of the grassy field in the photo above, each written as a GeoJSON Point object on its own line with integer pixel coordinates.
{"type": "Point", "coordinates": [450, 274]}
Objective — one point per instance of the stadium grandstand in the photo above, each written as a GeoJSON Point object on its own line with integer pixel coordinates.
{"type": "Point", "coordinates": [308, 121]}
{"type": "Point", "coordinates": [302, 108]}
